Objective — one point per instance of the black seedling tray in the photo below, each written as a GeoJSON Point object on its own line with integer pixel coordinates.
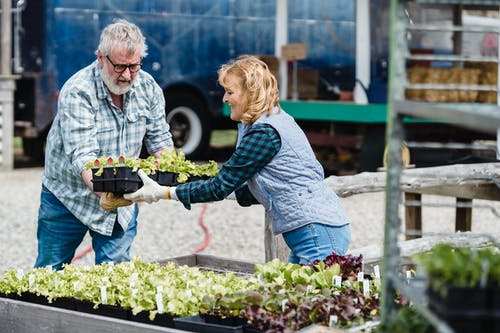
{"type": "Point", "coordinates": [117, 180]}
{"type": "Point", "coordinates": [121, 179]}
{"type": "Point", "coordinates": [167, 178]}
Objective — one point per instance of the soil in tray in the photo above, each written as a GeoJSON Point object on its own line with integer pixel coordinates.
{"type": "Point", "coordinates": [230, 321]}
{"type": "Point", "coordinates": [458, 300]}
{"type": "Point", "coordinates": [198, 324]}
{"type": "Point", "coordinates": [106, 181]}
{"type": "Point", "coordinates": [227, 321]}
{"type": "Point", "coordinates": [166, 178]}
{"type": "Point", "coordinates": [161, 319]}
{"type": "Point", "coordinates": [466, 323]}
{"type": "Point", "coordinates": [154, 176]}
{"type": "Point", "coordinates": [126, 181]}
{"type": "Point", "coordinates": [464, 309]}
{"type": "Point", "coordinates": [102, 310]}
{"type": "Point", "coordinates": [62, 302]}
{"type": "Point", "coordinates": [12, 296]}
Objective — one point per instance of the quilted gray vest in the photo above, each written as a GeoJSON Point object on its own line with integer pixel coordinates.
{"type": "Point", "coordinates": [291, 187]}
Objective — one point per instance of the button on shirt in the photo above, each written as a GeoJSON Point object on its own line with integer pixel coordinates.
{"type": "Point", "coordinates": [88, 125]}
{"type": "Point", "coordinates": [258, 146]}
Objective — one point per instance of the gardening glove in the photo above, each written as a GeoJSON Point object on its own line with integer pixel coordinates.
{"type": "Point", "coordinates": [109, 201]}
{"type": "Point", "coordinates": [150, 192]}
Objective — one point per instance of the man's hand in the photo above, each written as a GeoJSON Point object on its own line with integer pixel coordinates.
{"type": "Point", "coordinates": [109, 201]}
{"type": "Point", "coordinates": [150, 192]}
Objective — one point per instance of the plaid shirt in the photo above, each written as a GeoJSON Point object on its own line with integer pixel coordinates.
{"type": "Point", "coordinates": [88, 125]}
{"type": "Point", "coordinates": [257, 148]}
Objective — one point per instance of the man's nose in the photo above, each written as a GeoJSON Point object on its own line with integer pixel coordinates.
{"type": "Point", "coordinates": [126, 74]}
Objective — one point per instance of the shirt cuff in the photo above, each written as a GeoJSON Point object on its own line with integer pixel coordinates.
{"type": "Point", "coordinates": [79, 164]}
{"type": "Point", "coordinates": [173, 195]}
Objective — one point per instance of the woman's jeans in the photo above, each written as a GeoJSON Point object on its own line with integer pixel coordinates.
{"type": "Point", "coordinates": [60, 233]}
{"type": "Point", "coordinates": [316, 242]}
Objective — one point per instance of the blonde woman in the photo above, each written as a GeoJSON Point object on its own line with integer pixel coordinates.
{"type": "Point", "coordinates": [273, 165]}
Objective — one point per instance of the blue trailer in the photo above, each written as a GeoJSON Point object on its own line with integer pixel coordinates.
{"type": "Point", "coordinates": [188, 41]}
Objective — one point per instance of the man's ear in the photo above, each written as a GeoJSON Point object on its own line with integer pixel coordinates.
{"type": "Point", "coordinates": [100, 58]}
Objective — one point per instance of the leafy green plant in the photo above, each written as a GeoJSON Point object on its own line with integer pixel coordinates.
{"type": "Point", "coordinates": [279, 293]}
{"type": "Point", "coordinates": [295, 296]}
{"type": "Point", "coordinates": [407, 320]}
{"type": "Point", "coordinates": [209, 169]}
{"type": "Point", "coordinates": [169, 161]}
{"type": "Point", "coordinates": [132, 285]}
{"type": "Point", "coordinates": [448, 266]}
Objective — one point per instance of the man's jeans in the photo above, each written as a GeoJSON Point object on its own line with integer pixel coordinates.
{"type": "Point", "coordinates": [60, 233]}
{"type": "Point", "coordinates": [316, 242]}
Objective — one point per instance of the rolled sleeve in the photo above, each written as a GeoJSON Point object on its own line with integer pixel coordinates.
{"type": "Point", "coordinates": [77, 120]}
{"type": "Point", "coordinates": [158, 136]}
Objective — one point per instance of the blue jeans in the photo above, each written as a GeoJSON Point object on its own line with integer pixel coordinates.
{"type": "Point", "coordinates": [316, 242]}
{"type": "Point", "coordinates": [60, 233]}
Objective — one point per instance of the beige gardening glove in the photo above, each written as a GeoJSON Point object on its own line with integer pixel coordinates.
{"type": "Point", "coordinates": [109, 201]}
{"type": "Point", "coordinates": [150, 192]}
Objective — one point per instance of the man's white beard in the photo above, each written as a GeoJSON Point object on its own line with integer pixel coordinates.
{"type": "Point", "coordinates": [114, 88]}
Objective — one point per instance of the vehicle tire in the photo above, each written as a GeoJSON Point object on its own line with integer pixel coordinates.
{"type": "Point", "coordinates": [372, 148]}
{"type": "Point", "coordinates": [189, 124]}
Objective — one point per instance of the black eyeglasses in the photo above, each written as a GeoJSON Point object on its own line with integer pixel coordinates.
{"type": "Point", "coordinates": [120, 68]}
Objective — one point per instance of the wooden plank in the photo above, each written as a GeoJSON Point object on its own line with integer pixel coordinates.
{"type": "Point", "coordinates": [214, 263]}
{"type": "Point", "coordinates": [373, 254]}
{"type": "Point", "coordinates": [473, 190]}
{"type": "Point", "coordinates": [413, 214]}
{"type": "Point", "coordinates": [463, 218]}
{"type": "Point", "coordinates": [294, 51]}
{"type": "Point", "coordinates": [420, 179]}
{"type": "Point", "coordinates": [24, 317]}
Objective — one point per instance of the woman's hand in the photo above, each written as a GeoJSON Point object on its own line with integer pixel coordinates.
{"type": "Point", "coordinates": [150, 192]}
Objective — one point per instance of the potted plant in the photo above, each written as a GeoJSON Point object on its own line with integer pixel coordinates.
{"type": "Point", "coordinates": [103, 174]}
{"type": "Point", "coordinates": [126, 178]}
{"type": "Point", "coordinates": [462, 284]}
{"type": "Point", "coordinates": [173, 168]}
{"type": "Point", "coordinates": [204, 171]}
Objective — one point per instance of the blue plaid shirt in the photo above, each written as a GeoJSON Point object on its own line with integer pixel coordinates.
{"type": "Point", "coordinates": [88, 125]}
{"type": "Point", "coordinates": [257, 147]}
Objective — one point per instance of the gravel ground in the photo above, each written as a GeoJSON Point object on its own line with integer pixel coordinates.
{"type": "Point", "coordinates": [166, 229]}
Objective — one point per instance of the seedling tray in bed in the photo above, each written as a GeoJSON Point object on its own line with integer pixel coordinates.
{"type": "Point", "coordinates": [212, 263]}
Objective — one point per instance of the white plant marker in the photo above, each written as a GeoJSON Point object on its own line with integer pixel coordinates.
{"type": "Point", "coordinates": [159, 299]}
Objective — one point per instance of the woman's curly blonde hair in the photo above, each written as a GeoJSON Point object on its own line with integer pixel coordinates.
{"type": "Point", "coordinates": [257, 83]}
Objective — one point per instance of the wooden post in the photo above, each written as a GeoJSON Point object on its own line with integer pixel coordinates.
{"type": "Point", "coordinates": [275, 246]}
{"type": "Point", "coordinates": [413, 214]}
{"type": "Point", "coordinates": [7, 87]}
{"type": "Point", "coordinates": [463, 217]}
{"type": "Point", "coordinates": [5, 34]}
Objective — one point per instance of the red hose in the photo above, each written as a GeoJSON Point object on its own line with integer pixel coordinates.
{"type": "Point", "coordinates": [201, 221]}
{"type": "Point", "coordinates": [82, 254]}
